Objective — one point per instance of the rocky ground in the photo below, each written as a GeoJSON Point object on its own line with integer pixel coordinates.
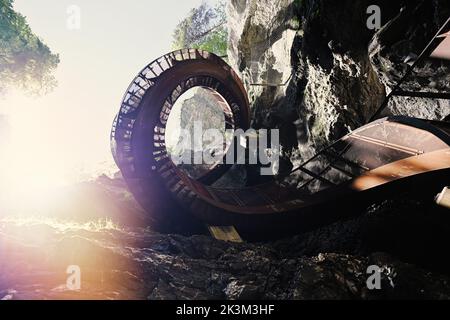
{"type": "Point", "coordinates": [406, 239]}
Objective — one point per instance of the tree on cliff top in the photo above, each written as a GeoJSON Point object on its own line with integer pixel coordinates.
{"type": "Point", "coordinates": [25, 61]}
{"type": "Point", "coordinates": [204, 28]}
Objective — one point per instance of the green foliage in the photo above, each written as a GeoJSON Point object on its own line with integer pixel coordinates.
{"type": "Point", "coordinates": [298, 3]}
{"type": "Point", "coordinates": [25, 61]}
{"type": "Point", "coordinates": [204, 28]}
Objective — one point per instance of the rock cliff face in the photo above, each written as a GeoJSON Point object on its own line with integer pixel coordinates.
{"type": "Point", "coordinates": [398, 44]}
{"type": "Point", "coordinates": [316, 71]}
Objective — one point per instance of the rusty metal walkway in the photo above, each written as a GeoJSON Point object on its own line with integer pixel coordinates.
{"type": "Point", "coordinates": [369, 164]}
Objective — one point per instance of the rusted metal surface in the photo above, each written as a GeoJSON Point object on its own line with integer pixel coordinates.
{"type": "Point", "coordinates": [443, 49]}
{"type": "Point", "coordinates": [427, 162]}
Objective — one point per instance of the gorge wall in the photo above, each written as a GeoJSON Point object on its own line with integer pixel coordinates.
{"type": "Point", "coordinates": [314, 69]}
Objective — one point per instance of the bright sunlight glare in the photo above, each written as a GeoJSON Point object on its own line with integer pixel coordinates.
{"type": "Point", "coordinates": [62, 138]}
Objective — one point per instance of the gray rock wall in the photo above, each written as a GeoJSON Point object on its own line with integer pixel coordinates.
{"type": "Point", "coordinates": [316, 77]}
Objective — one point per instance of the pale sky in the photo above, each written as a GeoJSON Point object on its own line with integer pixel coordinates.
{"type": "Point", "coordinates": [55, 136]}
